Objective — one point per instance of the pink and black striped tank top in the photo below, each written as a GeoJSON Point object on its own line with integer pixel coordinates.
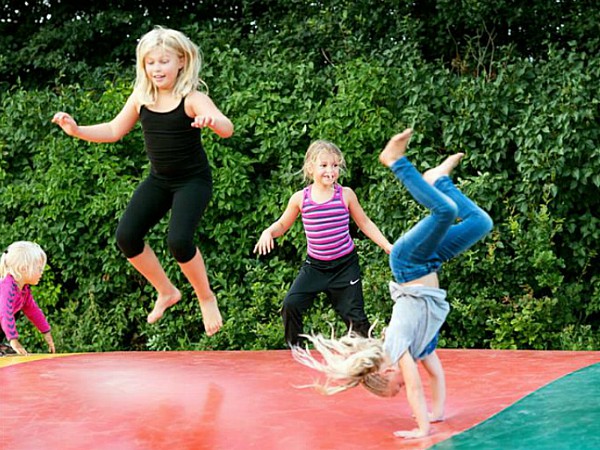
{"type": "Point", "coordinates": [327, 226]}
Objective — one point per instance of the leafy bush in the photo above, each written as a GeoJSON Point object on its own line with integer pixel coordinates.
{"type": "Point", "coordinates": [529, 130]}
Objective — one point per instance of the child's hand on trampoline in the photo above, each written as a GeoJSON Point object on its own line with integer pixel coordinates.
{"type": "Point", "coordinates": [50, 342]}
{"type": "Point", "coordinates": [434, 418]}
{"type": "Point", "coordinates": [17, 347]}
{"type": "Point", "coordinates": [410, 434]}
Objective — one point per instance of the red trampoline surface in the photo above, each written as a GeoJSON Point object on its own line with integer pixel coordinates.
{"type": "Point", "coordinates": [242, 400]}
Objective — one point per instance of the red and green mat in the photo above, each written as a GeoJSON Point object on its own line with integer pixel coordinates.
{"type": "Point", "coordinates": [250, 400]}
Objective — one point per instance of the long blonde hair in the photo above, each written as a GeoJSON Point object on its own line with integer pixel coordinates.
{"type": "Point", "coordinates": [346, 362]}
{"type": "Point", "coordinates": [314, 150]}
{"type": "Point", "coordinates": [21, 259]}
{"type": "Point", "coordinates": [174, 41]}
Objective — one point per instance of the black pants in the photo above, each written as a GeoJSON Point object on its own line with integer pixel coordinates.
{"type": "Point", "coordinates": [186, 198]}
{"type": "Point", "coordinates": [340, 280]}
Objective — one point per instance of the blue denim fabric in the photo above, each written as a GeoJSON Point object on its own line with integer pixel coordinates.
{"type": "Point", "coordinates": [430, 347]}
{"type": "Point", "coordinates": [438, 237]}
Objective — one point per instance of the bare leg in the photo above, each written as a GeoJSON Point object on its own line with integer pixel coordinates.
{"type": "Point", "coordinates": [195, 272]}
{"type": "Point", "coordinates": [148, 265]}
{"type": "Point", "coordinates": [443, 169]}
{"type": "Point", "coordinates": [395, 148]}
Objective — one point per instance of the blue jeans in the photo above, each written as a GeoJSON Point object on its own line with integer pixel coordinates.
{"type": "Point", "coordinates": [438, 237]}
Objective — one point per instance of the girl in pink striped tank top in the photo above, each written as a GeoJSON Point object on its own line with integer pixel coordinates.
{"type": "Point", "coordinates": [331, 265]}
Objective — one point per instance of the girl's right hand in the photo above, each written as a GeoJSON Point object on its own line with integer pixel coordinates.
{"type": "Point", "coordinates": [66, 122]}
{"type": "Point", "coordinates": [17, 347]}
{"type": "Point", "coordinates": [265, 243]}
{"type": "Point", "coordinates": [410, 434]}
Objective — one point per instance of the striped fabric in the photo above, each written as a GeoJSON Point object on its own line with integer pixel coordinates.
{"type": "Point", "coordinates": [327, 226]}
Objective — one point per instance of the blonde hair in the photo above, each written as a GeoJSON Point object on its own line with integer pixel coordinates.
{"type": "Point", "coordinates": [176, 42]}
{"type": "Point", "coordinates": [313, 152]}
{"type": "Point", "coordinates": [20, 260]}
{"type": "Point", "coordinates": [346, 363]}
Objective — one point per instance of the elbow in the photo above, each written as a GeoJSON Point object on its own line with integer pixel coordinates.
{"type": "Point", "coordinates": [225, 128]}
{"type": "Point", "coordinates": [226, 132]}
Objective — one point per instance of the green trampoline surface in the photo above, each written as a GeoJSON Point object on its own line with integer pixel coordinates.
{"type": "Point", "coordinates": [564, 414]}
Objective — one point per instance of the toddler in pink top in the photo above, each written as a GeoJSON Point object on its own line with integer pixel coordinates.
{"type": "Point", "coordinates": [21, 266]}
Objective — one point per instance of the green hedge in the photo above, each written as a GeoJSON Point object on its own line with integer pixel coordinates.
{"type": "Point", "coordinates": [529, 129]}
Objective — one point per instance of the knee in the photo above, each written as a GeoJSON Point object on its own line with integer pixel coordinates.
{"type": "Point", "coordinates": [485, 221]}
{"type": "Point", "coordinates": [183, 250]}
{"type": "Point", "coordinates": [447, 210]}
{"type": "Point", "coordinates": [131, 244]}
{"type": "Point", "coordinates": [288, 306]}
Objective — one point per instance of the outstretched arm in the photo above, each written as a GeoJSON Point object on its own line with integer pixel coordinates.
{"type": "Point", "coordinates": [266, 242]}
{"type": "Point", "coordinates": [363, 222]}
{"type": "Point", "coordinates": [103, 132]}
{"type": "Point", "coordinates": [415, 396]}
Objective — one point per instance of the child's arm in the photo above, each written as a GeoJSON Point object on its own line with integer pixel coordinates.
{"type": "Point", "coordinates": [206, 114]}
{"type": "Point", "coordinates": [266, 242]}
{"type": "Point", "coordinates": [363, 222]}
{"type": "Point", "coordinates": [437, 381]}
{"type": "Point", "coordinates": [50, 341]}
{"type": "Point", "coordinates": [415, 396]}
{"type": "Point", "coordinates": [104, 132]}
{"type": "Point", "coordinates": [35, 315]}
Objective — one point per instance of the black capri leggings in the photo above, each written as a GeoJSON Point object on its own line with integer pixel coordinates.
{"type": "Point", "coordinates": [186, 198]}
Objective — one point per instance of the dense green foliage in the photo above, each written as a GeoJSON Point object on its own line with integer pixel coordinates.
{"type": "Point", "coordinates": [525, 113]}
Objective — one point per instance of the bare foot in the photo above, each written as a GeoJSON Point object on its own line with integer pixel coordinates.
{"type": "Point", "coordinates": [395, 148]}
{"type": "Point", "coordinates": [163, 302]}
{"type": "Point", "coordinates": [211, 316]}
{"type": "Point", "coordinates": [443, 169]}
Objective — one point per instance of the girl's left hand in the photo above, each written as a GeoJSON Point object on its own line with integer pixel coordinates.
{"type": "Point", "coordinates": [203, 122]}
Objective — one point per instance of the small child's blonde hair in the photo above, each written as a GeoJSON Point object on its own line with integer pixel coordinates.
{"type": "Point", "coordinates": [174, 41]}
{"type": "Point", "coordinates": [21, 259]}
{"type": "Point", "coordinates": [313, 152]}
{"type": "Point", "coordinates": [346, 363]}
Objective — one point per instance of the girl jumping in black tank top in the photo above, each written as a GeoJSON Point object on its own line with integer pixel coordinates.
{"type": "Point", "coordinates": [172, 112]}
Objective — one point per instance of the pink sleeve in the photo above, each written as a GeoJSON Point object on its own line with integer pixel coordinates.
{"type": "Point", "coordinates": [34, 313]}
{"type": "Point", "coordinates": [7, 312]}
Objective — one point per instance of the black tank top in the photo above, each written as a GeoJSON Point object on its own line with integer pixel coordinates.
{"type": "Point", "coordinates": [173, 146]}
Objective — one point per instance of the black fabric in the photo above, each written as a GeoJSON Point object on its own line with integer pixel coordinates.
{"type": "Point", "coordinates": [341, 282]}
{"type": "Point", "coordinates": [187, 199]}
{"type": "Point", "coordinates": [173, 146]}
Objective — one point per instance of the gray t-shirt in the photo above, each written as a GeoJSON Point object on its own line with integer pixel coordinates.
{"type": "Point", "coordinates": [418, 314]}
